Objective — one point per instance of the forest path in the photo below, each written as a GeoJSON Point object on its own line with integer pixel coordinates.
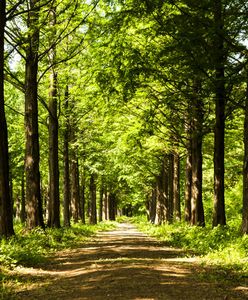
{"type": "Point", "coordinates": [126, 264]}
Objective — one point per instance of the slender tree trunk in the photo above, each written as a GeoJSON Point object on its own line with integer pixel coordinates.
{"type": "Point", "coordinates": [152, 206]}
{"type": "Point", "coordinates": [32, 158]}
{"type": "Point", "coordinates": [112, 206]}
{"type": "Point", "coordinates": [188, 174]}
{"type": "Point", "coordinates": [176, 187]}
{"type": "Point", "coordinates": [197, 213]}
{"type": "Point", "coordinates": [245, 169]}
{"type": "Point", "coordinates": [219, 217]}
{"type": "Point", "coordinates": [66, 200]}
{"type": "Point", "coordinates": [101, 202]}
{"type": "Point", "coordinates": [170, 187]}
{"type": "Point", "coordinates": [160, 207]}
{"type": "Point", "coordinates": [54, 203]}
{"type": "Point", "coordinates": [23, 201]}
{"type": "Point", "coordinates": [6, 219]}
{"type": "Point", "coordinates": [83, 201]}
{"type": "Point", "coordinates": [92, 206]}
{"type": "Point", "coordinates": [75, 193]}
{"type": "Point", "coordinates": [106, 204]}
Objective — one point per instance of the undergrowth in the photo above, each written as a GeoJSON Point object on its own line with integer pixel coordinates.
{"type": "Point", "coordinates": [222, 245]}
{"type": "Point", "coordinates": [29, 248]}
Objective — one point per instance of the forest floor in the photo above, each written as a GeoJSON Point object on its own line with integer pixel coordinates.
{"type": "Point", "coordinates": [126, 264]}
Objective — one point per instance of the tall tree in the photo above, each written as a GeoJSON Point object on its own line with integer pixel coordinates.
{"type": "Point", "coordinates": [54, 203]}
{"type": "Point", "coordinates": [219, 217]}
{"type": "Point", "coordinates": [32, 156]}
{"type": "Point", "coordinates": [6, 221]}
{"type": "Point", "coordinates": [245, 168]}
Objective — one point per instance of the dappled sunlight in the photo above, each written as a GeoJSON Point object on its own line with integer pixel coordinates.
{"type": "Point", "coordinates": [123, 264]}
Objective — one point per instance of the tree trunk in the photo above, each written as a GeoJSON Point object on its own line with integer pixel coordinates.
{"type": "Point", "coordinates": [75, 193]}
{"type": "Point", "coordinates": [245, 169]}
{"type": "Point", "coordinates": [92, 206]}
{"type": "Point", "coordinates": [23, 200]}
{"type": "Point", "coordinates": [176, 187]}
{"type": "Point", "coordinates": [160, 207]}
{"type": "Point", "coordinates": [152, 206]}
{"type": "Point", "coordinates": [169, 217]}
{"type": "Point", "coordinates": [101, 202]}
{"type": "Point", "coordinates": [54, 203]}
{"type": "Point", "coordinates": [66, 200]}
{"type": "Point", "coordinates": [83, 201]}
{"type": "Point", "coordinates": [112, 206]}
{"type": "Point", "coordinates": [106, 204]}
{"type": "Point", "coordinates": [197, 213]}
{"type": "Point", "coordinates": [32, 158]}
{"type": "Point", "coordinates": [6, 219]}
{"type": "Point", "coordinates": [219, 216]}
{"type": "Point", "coordinates": [188, 173]}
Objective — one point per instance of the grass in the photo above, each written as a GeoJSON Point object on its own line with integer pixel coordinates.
{"type": "Point", "coordinates": [222, 246]}
{"type": "Point", "coordinates": [32, 248]}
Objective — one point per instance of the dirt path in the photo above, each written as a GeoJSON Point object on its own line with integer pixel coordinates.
{"type": "Point", "coordinates": [125, 264]}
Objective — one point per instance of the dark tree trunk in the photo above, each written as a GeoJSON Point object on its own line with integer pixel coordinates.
{"type": "Point", "coordinates": [219, 217]}
{"type": "Point", "coordinates": [92, 204]}
{"type": "Point", "coordinates": [188, 174]}
{"type": "Point", "coordinates": [112, 206]}
{"type": "Point", "coordinates": [6, 218]}
{"type": "Point", "coordinates": [54, 203]}
{"type": "Point", "coordinates": [170, 187]}
{"type": "Point", "coordinates": [106, 204]}
{"type": "Point", "coordinates": [75, 193]}
{"type": "Point", "coordinates": [245, 169]}
{"type": "Point", "coordinates": [23, 201]}
{"type": "Point", "coordinates": [83, 201]}
{"type": "Point", "coordinates": [66, 200]}
{"type": "Point", "coordinates": [32, 158]}
{"type": "Point", "coordinates": [160, 208]}
{"type": "Point", "coordinates": [152, 206]}
{"type": "Point", "coordinates": [176, 187]}
{"type": "Point", "coordinates": [101, 202]}
{"type": "Point", "coordinates": [197, 213]}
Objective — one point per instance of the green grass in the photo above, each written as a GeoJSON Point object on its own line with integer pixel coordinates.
{"type": "Point", "coordinates": [32, 248]}
{"type": "Point", "coordinates": [221, 246]}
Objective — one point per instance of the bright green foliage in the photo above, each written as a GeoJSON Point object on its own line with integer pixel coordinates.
{"type": "Point", "coordinates": [31, 248]}
{"type": "Point", "coordinates": [222, 245]}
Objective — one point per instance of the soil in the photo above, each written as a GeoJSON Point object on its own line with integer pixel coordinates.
{"type": "Point", "coordinates": [126, 264]}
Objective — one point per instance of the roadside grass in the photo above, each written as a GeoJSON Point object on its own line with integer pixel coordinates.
{"type": "Point", "coordinates": [32, 248]}
{"type": "Point", "coordinates": [222, 248]}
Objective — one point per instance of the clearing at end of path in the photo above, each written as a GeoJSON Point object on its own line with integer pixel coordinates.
{"type": "Point", "coordinates": [126, 264]}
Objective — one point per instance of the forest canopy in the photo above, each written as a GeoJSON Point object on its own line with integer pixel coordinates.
{"type": "Point", "coordinates": [123, 108]}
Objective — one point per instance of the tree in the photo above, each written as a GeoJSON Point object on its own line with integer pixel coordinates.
{"type": "Point", "coordinates": [32, 156]}
{"type": "Point", "coordinates": [6, 221]}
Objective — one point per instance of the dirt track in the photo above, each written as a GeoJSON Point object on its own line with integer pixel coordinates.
{"type": "Point", "coordinates": [125, 264]}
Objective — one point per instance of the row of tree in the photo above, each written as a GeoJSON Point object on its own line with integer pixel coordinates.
{"type": "Point", "coordinates": [134, 97]}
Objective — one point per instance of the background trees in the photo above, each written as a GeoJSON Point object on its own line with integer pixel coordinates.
{"type": "Point", "coordinates": [135, 90]}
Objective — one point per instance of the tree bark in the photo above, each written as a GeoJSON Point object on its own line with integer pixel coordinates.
{"type": "Point", "coordinates": [66, 200]}
{"type": "Point", "coordinates": [219, 217]}
{"type": "Point", "coordinates": [112, 206]}
{"type": "Point", "coordinates": [54, 203]}
{"type": "Point", "coordinates": [6, 219]}
{"type": "Point", "coordinates": [83, 201]}
{"type": "Point", "coordinates": [23, 200]}
{"type": "Point", "coordinates": [101, 202]}
{"type": "Point", "coordinates": [75, 193]}
{"type": "Point", "coordinates": [197, 213]}
{"type": "Point", "coordinates": [176, 187]}
{"type": "Point", "coordinates": [32, 157]}
{"type": "Point", "coordinates": [188, 172]}
{"type": "Point", "coordinates": [92, 206]}
{"type": "Point", "coordinates": [245, 169]}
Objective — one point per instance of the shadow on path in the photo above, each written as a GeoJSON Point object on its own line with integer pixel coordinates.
{"type": "Point", "coordinates": [126, 264]}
